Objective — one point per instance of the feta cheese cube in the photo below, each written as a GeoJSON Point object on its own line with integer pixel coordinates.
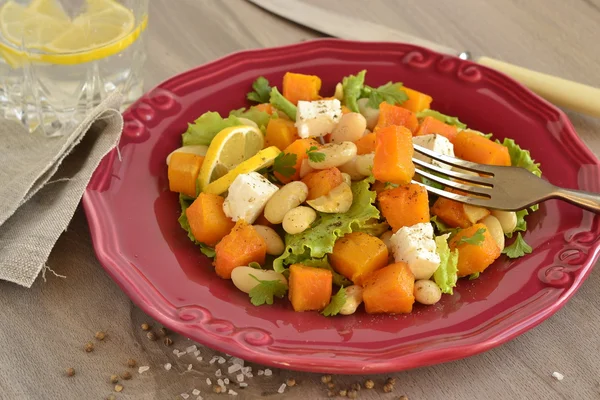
{"type": "Point", "coordinates": [317, 118]}
{"type": "Point", "coordinates": [415, 246]}
{"type": "Point", "coordinates": [434, 142]}
{"type": "Point", "coordinates": [247, 197]}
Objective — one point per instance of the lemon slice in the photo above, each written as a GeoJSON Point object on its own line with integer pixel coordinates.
{"type": "Point", "coordinates": [229, 148]}
{"type": "Point", "coordinates": [262, 159]}
{"type": "Point", "coordinates": [26, 25]}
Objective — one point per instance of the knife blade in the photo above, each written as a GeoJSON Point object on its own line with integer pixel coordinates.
{"type": "Point", "coordinates": [562, 92]}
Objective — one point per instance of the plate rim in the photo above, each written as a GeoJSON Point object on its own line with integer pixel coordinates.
{"type": "Point", "coordinates": [109, 258]}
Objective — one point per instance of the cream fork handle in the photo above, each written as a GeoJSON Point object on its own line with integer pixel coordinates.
{"type": "Point", "coordinates": [586, 200]}
{"type": "Point", "coordinates": [562, 92]}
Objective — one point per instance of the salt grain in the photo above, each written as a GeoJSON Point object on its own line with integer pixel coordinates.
{"type": "Point", "coordinates": [168, 366]}
{"type": "Point", "coordinates": [191, 349]}
{"type": "Point", "coordinates": [249, 375]}
{"type": "Point", "coordinates": [195, 392]}
{"type": "Point", "coordinates": [281, 388]}
{"type": "Point", "coordinates": [237, 361]}
{"type": "Point", "coordinates": [245, 370]}
{"type": "Point", "coordinates": [234, 368]}
{"type": "Point", "coordinates": [199, 398]}
{"type": "Point", "coordinates": [190, 367]}
{"type": "Point", "coordinates": [231, 392]}
{"type": "Point", "coordinates": [220, 382]}
{"type": "Point", "coordinates": [268, 372]}
{"type": "Point", "coordinates": [175, 351]}
{"type": "Point", "coordinates": [558, 376]}
{"type": "Point", "coordinates": [214, 360]}
{"type": "Point", "coordinates": [208, 381]}
{"type": "Point", "coordinates": [261, 372]}
{"type": "Point", "coordinates": [218, 373]}
{"type": "Point", "coordinates": [222, 360]}
{"type": "Point", "coordinates": [240, 377]}
{"type": "Point", "coordinates": [197, 353]}
{"type": "Point", "coordinates": [199, 358]}
{"type": "Point", "coordinates": [180, 353]}
{"type": "Point", "coordinates": [184, 395]}
{"type": "Point", "coordinates": [226, 380]}
{"type": "Point", "coordinates": [143, 369]}
{"type": "Point", "coordinates": [243, 385]}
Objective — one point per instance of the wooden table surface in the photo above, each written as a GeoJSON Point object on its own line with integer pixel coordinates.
{"type": "Point", "coordinates": [43, 330]}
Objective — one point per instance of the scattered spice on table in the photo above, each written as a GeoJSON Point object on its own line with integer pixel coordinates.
{"type": "Point", "coordinates": [403, 397]}
{"type": "Point", "coordinates": [89, 347]}
{"type": "Point", "coordinates": [343, 392]}
{"type": "Point", "coordinates": [163, 331]}
{"type": "Point", "coordinates": [356, 386]}
{"type": "Point", "coordinates": [126, 375]}
{"type": "Point", "coordinates": [168, 341]}
{"type": "Point", "coordinates": [291, 382]}
{"type": "Point", "coordinates": [326, 378]}
{"type": "Point", "coordinates": [100, 335]}
{"type": "Point", "coordinates": [388, 388]}
{"type": "Point", "coordinates": [217, 389]}
{"type": "Point", "coordinates": [151, 336]}
{"type": "Point", "coordinates": [168, 366]}
{"type": "Point", "coordinates": [281, 388]}
{"type": "Point", "coordinates": [353, 394]}
{"type": "Point", "coordinates": [70, 371]}
{"type": "Point", "coordinates": [118, 387]}
{"type": "Point", "coordinates": [146, 327]}
{"type": "Point", "coordinates": [111, 397]}
{"type": "Point", "coordinates": [131, 363]}
{"type": "Point", "coordinates": [268, 372]}
{"type": "Point", "coordinates": [391, 381]}
{"type": "Point", "coordinates": [114, 379]}
{"type": "Point", "coordinates": [331, 393]}
{"type": "Point", "coordinates": [143, 369]}
{"type": "Point", "coordinates": [558, 376]}
{"type": "Point", "coordinates": [369, 384]}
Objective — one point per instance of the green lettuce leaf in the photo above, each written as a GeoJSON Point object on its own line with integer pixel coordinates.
{"type": "Point", "coordinates": [335, 305]}
{"type": "Point", "coordinates": [522, 158]}
{"type": "Point", "coordinates": [353, 86]}
{"type": "Point", "coordinates": [441, 117]}
{"type": "Point", "coordinates": [185, 202]}
{"type": "Point", "coordinates": [261, 118]}
{"type": "Point", "coordinates": [318, 240]}
{"type": "Point", "coordinates": [521, 223]}
{"type": "Point", "coordinates": [474, 276]}
{"type": "Point", "coordinates": [338, 279]}
{"type": "Point", "coordinates": [281, 103]}
{"type": "Point", "coordinates": [441, 227]}
{"type": "Point", "coordinates": [446, 275]}
{"type": "Point", "coordinates": [206, 127]}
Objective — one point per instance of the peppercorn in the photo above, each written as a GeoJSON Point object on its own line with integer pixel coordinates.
{"type": "Point", "coordinates": [388, 388]}
{"type": "Point", "coordinates": [89, 347]}
{"type": "Point", "coordinates": [163, 331]}
{"type": "Point", "coordinates": [70, 371]}
{"type": "Point", "coordinates": [217, 389]}
{"type": "Point", "coordinates": [114, 379]}
{"type": "Point", "coordinates": [356, 386]}
{"type": "Point", "coordinates": [131, 363]}
{"type": "Point", "coordinates": [168, 341]}
{"type": "Point", "coordinates": [118, 387]}
{"type": "Point", "coordinates": [291, 382]}
{"type": "Point", "coordinates": [353, 394]}
{"type": "Point", "coordinates": [146, 327]}
{"type": "Point", "coordinates": [369, 384]}
{"type": "Point", "coordinates": [331, 385]}
{"type": "Point", "coordinates": [391, 381]}
{"type": "Point", "coordinates": [403, 397]}
{"type": "Point", "coordinates": [326, 378]}
{"type": "Point", "coordinates": [100, 335]}
{"type": "Point", "coordinates": [343, 392]}
{"type": "Point", "coordinates": [151, 336]}
{"type": "Point", "coordinates": [126, 375]}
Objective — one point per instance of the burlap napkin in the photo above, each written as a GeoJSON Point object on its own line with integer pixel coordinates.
{"type": "Point", "coordinates": [42, 181]}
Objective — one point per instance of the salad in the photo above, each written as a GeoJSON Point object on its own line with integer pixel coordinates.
{"type": "Point", "coordinates": [316, 199]}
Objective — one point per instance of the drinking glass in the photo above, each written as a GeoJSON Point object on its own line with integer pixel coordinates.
{"type": "Point", "coordinates": [60, 58]}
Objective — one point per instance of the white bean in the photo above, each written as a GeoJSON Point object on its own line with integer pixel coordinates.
{"type": "Point", "coordinates": [197, 150]}
{"type": "Point", "coordinates": [305, 168]}
{"type": "Point", "coordinates": [508, 220]}
{"type": "Point", "coordinates": [274, 243]}
{"type": "Point", "coordinates": [336, 154]}
{"type": "Point", "coordinates": [298, 219]}
{"type": "Point", "coordinates": [364, 164]}
{"type": "Point", "coordinates": [242, 280]}
{"type": "Point", "coordinates": [350, 128]}
{"type": "Point", "coordinates": [495, 229]}
{"type": "Point", "coordinates": [248, 122]}
{"type": "Point", "coordinates": [350, 169]}
{"type": "Point", "coordinates": [347, 178]}
{"type": "Point", "coordinates": [353, 299]}
{"type": "Point", "coordinates": [370, 114]}
{"type": "Point", "coordinates": [289, 196]}
{"type": "Point", "coordinates": [426, 292]}
{"type": "Point", "coordinates": [338, 200]}
{"type": "Point", "coordinates": [385, 238]}
{"type": "Point", "coordinates": [475, 213]}
{"type": "Point", "coordinates": [339, 92]}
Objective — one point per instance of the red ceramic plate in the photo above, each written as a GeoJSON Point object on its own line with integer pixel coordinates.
{"type": "Point", "coordinates": [133, 218]}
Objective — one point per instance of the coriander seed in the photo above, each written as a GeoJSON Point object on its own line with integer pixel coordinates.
{"type": "Point", "coordinates": [89, 347]}
{"type": "Point", "coordinates": [353, 394]}
{"type": "Point", "coordinates": [131, 363]}
{"type": "Point", "coordinates": [151, 336]}
{"type": "Point", "coordinates": [118, 387]}
{"type": "Point", "coordinates": [126, 375]}
{"type": "Point", "coordinates": [356, 386]}
{"type": "Point", "coordinates": [163, 331]}
{"type": "Point", "coordinates": [291, 382]}
{"type": "Point", "coordinates": [326, 378]}
{"type": "Point", "coordinates": [146, 327]}
{"type": "Point", "coordinates": [403, 397]}
{"type": "Point", "coordinates": [331, 385]}
{"type": "Point", "coordinates": [70, 371]}
{"type": "Point", "coordinates": [343, 392]}
{"type": "Point", "coordinates": [391, 381]}
{"type": "Point", "coordinates": [369, 384]}
{"type": "Point", "coordinates": [217, 389]}
{"type": "Point", "coordinates": [114, 379]}
{"type": "Point", "coordinates": [168, 341]}
{"type": "Point", "coordinates": [111, 397]}
{"type": "Point", "coordinates": [100, 335]}
{"type": "Point", "coordinates": [331, 393]}
{"type": "Point", "coordinates": [388, 388]}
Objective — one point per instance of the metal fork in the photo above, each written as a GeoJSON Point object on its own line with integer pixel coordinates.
{"type": "Point", "coordinates": [499, 187]}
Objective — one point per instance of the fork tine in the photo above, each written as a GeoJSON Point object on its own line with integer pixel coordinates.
{"type": "Point", "coordinates": [455, 162]}
{"type": "Point", "coordinates": [476, 190]}
{"type": "Point", "coordinates": [474, 201]}
{"type": "Point", "coordinates": [486, 181]}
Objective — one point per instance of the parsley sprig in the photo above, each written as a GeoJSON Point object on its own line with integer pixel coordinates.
{"type": "Point", "coordinates": [518, 248]}
{"type": "Point", "coordinates": [391, 93]}
{"type": "Point", "coordinates": [264, 292]}
{"type": "Point", "coordinates": [314, 155]}
{"type": "Point", "coordinates": [477, 238]}
{"type": "Point", "coordinates": [262, 90]}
